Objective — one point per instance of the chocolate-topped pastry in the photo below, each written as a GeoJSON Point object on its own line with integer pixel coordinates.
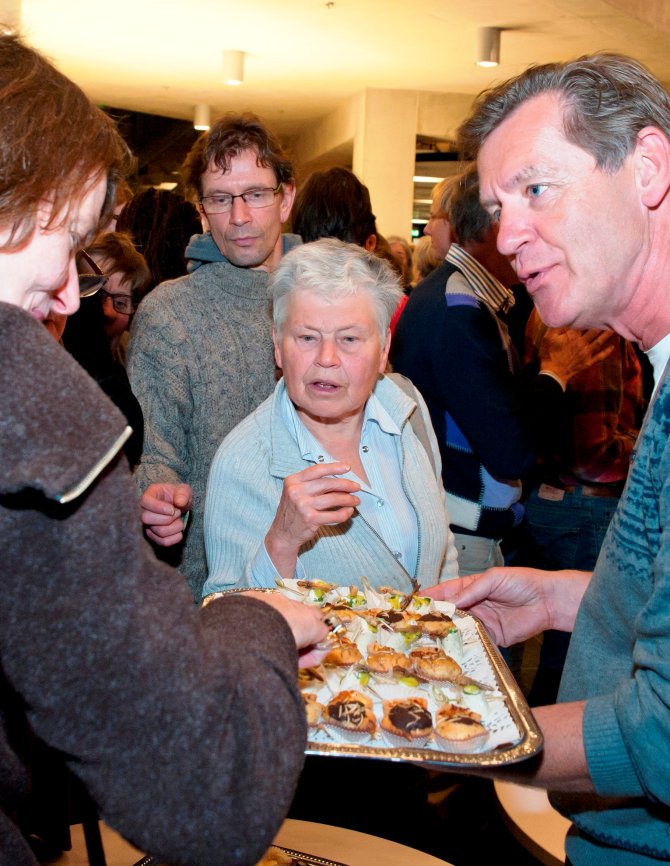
{"type": "Point", "coordinates": [351, 711]}
{"type": "Point", "coordinates": [391, 617]}
{"type": "Point", "coordinates": [343, 611]}
{"type": "Point", "coordinates": [435, 624]}
{"type": "Point", "coordinates": [408, 719]}
{"type": "Point", "coordinates": [458, 729]}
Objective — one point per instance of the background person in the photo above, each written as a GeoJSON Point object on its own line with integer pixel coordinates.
{"type": "Point", "coordinates": [200, 354]}
{"type": "Point", "coordinates": [333, 203]}
{"type": "Point", "coordinates": [402, 253]}
{"type": "Point", "coordinates": [161, 223]}
{"type": "Point", "coordinates": [128, 281]}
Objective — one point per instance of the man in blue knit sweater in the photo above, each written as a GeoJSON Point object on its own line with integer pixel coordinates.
{"type": "Point", "coordinates": [574, 164]}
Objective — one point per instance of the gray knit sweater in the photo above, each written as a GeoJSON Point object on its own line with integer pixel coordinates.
{"type": "Point", "coordinates": [199, 361]}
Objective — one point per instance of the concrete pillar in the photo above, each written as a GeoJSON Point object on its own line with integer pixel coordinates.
{"type": "Point", "coordinates": [384, 154]}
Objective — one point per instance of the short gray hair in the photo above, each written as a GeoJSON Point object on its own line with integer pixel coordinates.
{"type": "Point", "coordinates": [442, 193]}
{"type": "Point", "coordinates": [608, 99]}
{"type": "Point", "coordinates": [334, 269]}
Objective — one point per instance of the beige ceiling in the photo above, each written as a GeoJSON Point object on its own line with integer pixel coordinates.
{"type": "Point", "coordinates": [304, 57]}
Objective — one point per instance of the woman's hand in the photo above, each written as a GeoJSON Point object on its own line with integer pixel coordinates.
{"type": "Point", "coordinates": [310, 499]}
{"type": "Point", "coordinates": [517, 603]}
{"type": "Point", "coordinates": [306, 623]}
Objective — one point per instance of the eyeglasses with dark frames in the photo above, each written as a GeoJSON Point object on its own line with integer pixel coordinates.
{"type": "Point", "coordinates": [254, 198]}
{"type": "Point", "coordinates": [121, 303]}
{"type": "Point", "coordinates": [92, 282]}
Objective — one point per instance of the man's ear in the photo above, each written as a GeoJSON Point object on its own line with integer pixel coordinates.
{"type": "Point", "coordinates": [288, 196]}
{"type": "Point", "coordinates": [652, 165]}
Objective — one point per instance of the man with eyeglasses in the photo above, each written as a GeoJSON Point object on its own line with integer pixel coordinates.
{"type": "Point", "coordinates": [200, 355]}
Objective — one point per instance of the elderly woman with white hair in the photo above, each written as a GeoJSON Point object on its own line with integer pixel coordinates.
{"type": "Point", "coordinates": [336, 476]}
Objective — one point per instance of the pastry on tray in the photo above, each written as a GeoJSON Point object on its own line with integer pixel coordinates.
{"type": "Point", "coordinates": [435, 624]}
{"type": "Point", "coordinates": [313, 710]}
{"type": "Point", "coordinates": [433, 664]}
{"type": "Point", "coordinates": [385, 660]}
{"type": "Point", "coordinates": [350, 716]}
{"type": "Point", "coordinates": [458, 729]}
{"type": "Point", "coordinates": [407, 722]}
{"type": "Point", "coordinates": [344, 653]}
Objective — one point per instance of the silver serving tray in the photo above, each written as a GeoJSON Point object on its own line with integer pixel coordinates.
{"type": "Point", "coordinates": [529, 743]}
{"type": "Point", "coordinates": [530, 737]}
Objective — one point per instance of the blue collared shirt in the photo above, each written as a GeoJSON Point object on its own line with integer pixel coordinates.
{"type": "Point", "coordinates": [383, 503]}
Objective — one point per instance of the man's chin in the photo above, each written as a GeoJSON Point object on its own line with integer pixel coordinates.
{"type": "Point", "coordinates": [246, 258]}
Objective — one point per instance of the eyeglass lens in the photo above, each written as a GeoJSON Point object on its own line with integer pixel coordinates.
{"type": "Point", "coordinates": [253, 198]}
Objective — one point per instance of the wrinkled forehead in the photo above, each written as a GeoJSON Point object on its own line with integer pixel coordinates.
{"type": "Point", "coordinates": [530, 139]}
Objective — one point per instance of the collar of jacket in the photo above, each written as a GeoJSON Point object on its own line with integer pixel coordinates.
{"type": "Point", "coordinates": [285, 454]}
{"type": "Point", "coordinates": [58, 431]}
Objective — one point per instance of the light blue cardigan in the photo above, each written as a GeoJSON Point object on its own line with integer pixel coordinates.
{"type": "Point", "coordinates": [245, 485]}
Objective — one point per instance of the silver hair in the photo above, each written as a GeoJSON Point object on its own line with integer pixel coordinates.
{"type": "Point", "coordinates": [333, 269]}
{"type": "Point", "coordinates": [608, 99]}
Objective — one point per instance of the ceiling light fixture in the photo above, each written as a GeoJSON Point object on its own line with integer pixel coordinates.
{"type": "Point", "coordinates": [488, 46]}
{"type": "Point", "coordinates": [233, 67]}
{"type": "Point", "coordinates": [201, 118]}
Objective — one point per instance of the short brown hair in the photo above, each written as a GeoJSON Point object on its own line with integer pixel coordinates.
{"type": "Point", "coordinates": [231, 135]}
{"type": "Point", "coordinates": [469, 222]}
{"type": "Point", "coordinates": [115, 252]}
{"type": "Point", "coordinates": [53, 141]}
{"type": "Point", "coordinates": [333, 203]}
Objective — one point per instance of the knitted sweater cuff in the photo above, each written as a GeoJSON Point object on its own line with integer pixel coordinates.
{"type": "Point", "coordinates": [607, 757]}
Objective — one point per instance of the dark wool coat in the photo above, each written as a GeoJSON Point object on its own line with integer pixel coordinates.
{"type": "Point", "coordinates": [186, 726]}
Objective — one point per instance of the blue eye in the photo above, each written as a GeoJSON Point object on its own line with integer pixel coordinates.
{"type": "Point", "coordinates": [535, 190]}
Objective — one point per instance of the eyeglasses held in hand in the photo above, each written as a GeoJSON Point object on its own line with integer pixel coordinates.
{"type": "Point", "coordinates": [89, 283]}
{"type": "Point", "coordinates": [253, 198]}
